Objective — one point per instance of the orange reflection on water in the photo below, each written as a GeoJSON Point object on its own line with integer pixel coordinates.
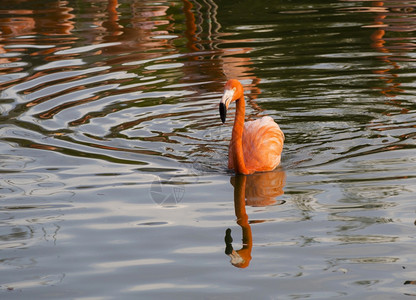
{"type": "Point", "coordinates": [150, 33]}
{"type": "Point", "coordinates": [392, 18]}
{"type": "Point", "coordinates": [22, 26]}
{"type": "Point", "coordinates": [134, 38]}
{"type": "Point", "coordinates": [145, 21]}
{"type": "Point", "coordinates": [259, 189]}
{"type": "Point", "coordinates": [55, 18]}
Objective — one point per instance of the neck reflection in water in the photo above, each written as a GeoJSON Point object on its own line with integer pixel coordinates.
{"type": "Point", "coordinates": [259, 189]}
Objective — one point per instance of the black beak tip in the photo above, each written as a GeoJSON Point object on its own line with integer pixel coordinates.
{"type": "Point", "coordinates": [223, 112]}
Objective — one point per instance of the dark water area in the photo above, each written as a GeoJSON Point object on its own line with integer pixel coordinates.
{"type": "Point", "coordinates": [113, 158]}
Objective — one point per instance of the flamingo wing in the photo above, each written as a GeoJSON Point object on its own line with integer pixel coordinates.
{"type": "Point", "coordinates": [262, 145]}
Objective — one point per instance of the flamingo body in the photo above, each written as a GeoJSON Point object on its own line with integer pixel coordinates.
{"type": "Point", "coordinates": [255, 146]}
{"type": "Point", "coordinates": [262, 145]}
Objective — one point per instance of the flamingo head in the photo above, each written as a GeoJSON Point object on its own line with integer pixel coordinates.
{"type": "Point", "coordinates": [233, 91]}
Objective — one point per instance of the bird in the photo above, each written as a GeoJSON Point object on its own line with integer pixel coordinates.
{"type": "Point", "coordinates": [255, 146]}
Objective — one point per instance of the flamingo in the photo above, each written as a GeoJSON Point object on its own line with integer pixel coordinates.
{"type": "Point", "coordinates": [255, 146]}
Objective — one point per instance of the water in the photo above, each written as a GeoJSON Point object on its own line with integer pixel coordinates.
{"type": "Point", "coordinates": [113, 157]}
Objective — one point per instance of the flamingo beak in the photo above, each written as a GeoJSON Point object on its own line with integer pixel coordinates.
{"type": "Point", "coordinates": [223, 112]}
{"type": "Point", "coordinates": [225, 101]}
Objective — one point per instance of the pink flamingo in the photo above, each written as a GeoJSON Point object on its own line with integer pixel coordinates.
{"type": "Point", "coordinates": [256, 146]}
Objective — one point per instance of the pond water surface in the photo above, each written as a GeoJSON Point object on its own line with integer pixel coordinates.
{"type": "Point", "coordinates": [113, 158]}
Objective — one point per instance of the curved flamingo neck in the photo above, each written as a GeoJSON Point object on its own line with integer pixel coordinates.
{"type": "Point", "coordinates": [237, 137]}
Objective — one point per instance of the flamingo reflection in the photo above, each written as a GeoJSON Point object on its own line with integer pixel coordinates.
{"type": "Point", "coordinates": [259, 189]}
